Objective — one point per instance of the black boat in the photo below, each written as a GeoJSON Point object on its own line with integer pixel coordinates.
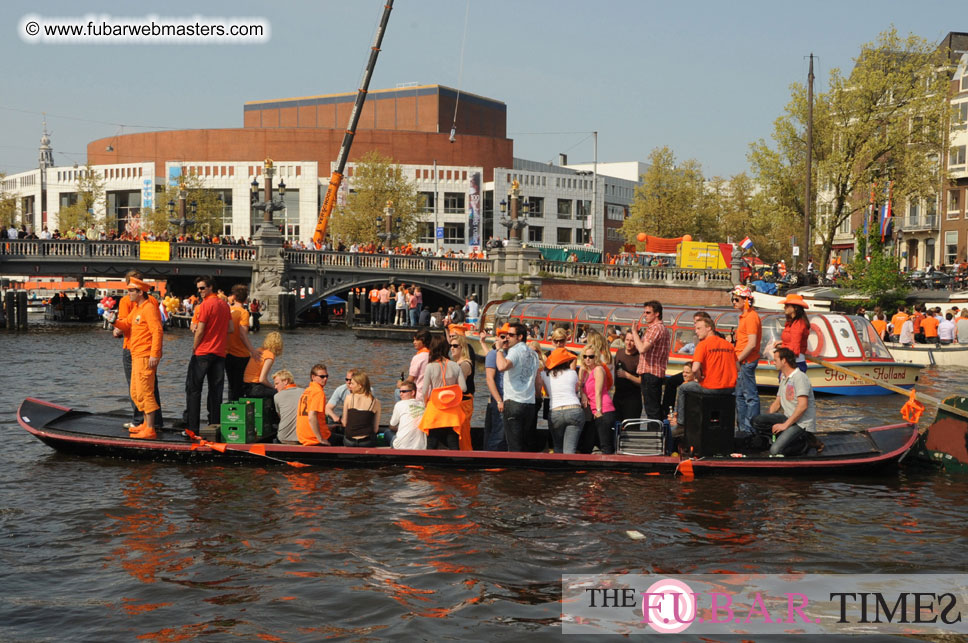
{"type": "Point", "coordinates": [83, 433]}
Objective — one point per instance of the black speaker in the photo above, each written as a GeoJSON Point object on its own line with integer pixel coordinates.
{"type": "Point", "coordinates": [709, 421]}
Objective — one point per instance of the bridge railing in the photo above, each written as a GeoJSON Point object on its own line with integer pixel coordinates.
{"type": "Point", "coordinates": [209, 252]}
{"type": "Point", "coordinates": [630, 274]}
{"type": "Point", "coordinates": [393, 263]}
{"type": "Point", "coordinates": [67, 249]}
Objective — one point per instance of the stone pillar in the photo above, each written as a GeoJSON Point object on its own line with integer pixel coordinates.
{"type": "Point", "coordinates": [268, 273]}
{"type": "Point", "coordinates": [511, 273]}
{"type": "Point", "coordinates": [736, 265]}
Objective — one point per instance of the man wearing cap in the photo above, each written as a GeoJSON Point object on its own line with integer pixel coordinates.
{"type": "Point", "coordinates": [210, 345]}
{"type": "Point", "coordinates": [145, 335]}
{"type": "Point", "coordinates": [520, 367]}
{"type": "Point", "coordinates": [749, 331]}
{"type": "Point", "coordinates": [124, 309]}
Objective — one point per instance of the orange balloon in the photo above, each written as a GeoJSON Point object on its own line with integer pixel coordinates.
{"type": "Point", "coordinates": [641, 236]}
{"type": "Point", "coordinates": [687, 238]}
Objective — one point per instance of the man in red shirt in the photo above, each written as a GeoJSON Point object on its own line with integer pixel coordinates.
{"type": "Point", "coordinates": [208, 355]}
{"type": "Point", "coordinates": [714, 365]}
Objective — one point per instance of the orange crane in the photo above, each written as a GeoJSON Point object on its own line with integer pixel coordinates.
{"type": "Point", "coordinates": [329, 202]}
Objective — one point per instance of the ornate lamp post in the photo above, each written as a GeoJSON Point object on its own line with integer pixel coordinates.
{"type": "Point", "coordinates": [182, 221]}
{"type": "Point", "coordinates": [388, 235]}
{"type": "Point", "coordinates": [270, 204]}
{"type": "Point", "coordinates": [515, 224]}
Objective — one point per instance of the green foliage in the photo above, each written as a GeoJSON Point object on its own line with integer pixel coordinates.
{"type": "Point", "coordinates": [671, 200]}
{"type": "Point", "coordinates": [883, 119]}
{"type": "Point", "coordinates": [208, 214]}
{"type": "Point", "coordinates": [880, 279]}
{"type": "Point", "coordinates": [377, 181]}
{"type": "Point", "coordinates": [8, 206]}
{"type": "Point", "coordinates": [83, 213]}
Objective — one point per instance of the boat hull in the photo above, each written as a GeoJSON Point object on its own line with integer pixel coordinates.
{"type": "Point", "coordinates": [87, 434]}
{"type": "Point", "coordinates": [930, 355]}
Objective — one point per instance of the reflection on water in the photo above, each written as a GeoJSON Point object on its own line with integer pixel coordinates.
{"type": "Point", "coordinates": [110, 550]}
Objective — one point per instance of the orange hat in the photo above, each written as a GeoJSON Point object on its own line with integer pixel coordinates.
{"type": "Point", "coordinates": [506, 328]}
{"type": "Point", "coordinates": [795, 299]}
{"type": "Point", "coordinates": [558, 357]}
{"type": "Point", "coordinates": [457, 328]}
{"type": "Point", "coordinates": [134, 282]}
{"type": "Point", "coordinates": [443, 409]}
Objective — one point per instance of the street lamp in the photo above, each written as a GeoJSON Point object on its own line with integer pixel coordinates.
{"type": "Point", "coordinates": [387, 236]}
{"type": "Point", "coordinates": [270, 204]}
{"type": "Point", "coordinates": [182, 221]}
{"type": "Point", "coordinates": [514, 224]}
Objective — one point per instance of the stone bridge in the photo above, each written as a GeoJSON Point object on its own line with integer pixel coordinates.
{"type": "Point", "coordinates": [508, 272]}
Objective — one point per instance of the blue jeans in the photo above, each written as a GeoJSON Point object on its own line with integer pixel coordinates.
{"type": "Point", "coordinates": [786, 440]}
{"type": "Point", "coordinates": [565, 426]}
{"type": "Point", "coordinates": [494, 439]}
{"type": "Point", "coordinates": [518, 424]}
{"type": "Point", "coordinates": [413, 316]}
{"type": "Point", "coordinates": [747, 399]}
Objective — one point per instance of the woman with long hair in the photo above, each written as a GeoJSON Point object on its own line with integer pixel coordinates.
{"type": "Point", "coordinates": [597, 341]}
{"type": "Point", "coordinates": [796, 331]}
{"type": "Point", "coordinates": [442, 418]}
{"type": "Point", "coordinates": [460, 353]}
{"type": "Point", "coordinates": [256, 379]}
{"type": "Point", "coordinates": [565, 417]}
{"type": "Point", "coordinates": [361, 412]}
{"type": "Point", "coordinates": [595, 381]}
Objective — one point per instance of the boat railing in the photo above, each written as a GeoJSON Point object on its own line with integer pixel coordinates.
{"type": "Point", "coordinates": [659, 275]}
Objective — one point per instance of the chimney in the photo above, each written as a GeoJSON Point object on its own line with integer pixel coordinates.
{"type": "Point", "coordinates": [562, 159]}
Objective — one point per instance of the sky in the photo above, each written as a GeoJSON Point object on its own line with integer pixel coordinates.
{"type": "Point", "coordinates": [706, 78]}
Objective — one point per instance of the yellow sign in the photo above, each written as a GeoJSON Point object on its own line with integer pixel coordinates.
{"type": "Point", "coordinates": [155, 251]}
{"type": "Point", "coordinates": [695, 254]}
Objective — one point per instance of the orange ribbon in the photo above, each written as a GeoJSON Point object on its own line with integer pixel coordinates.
{"type": "Point", "coordinates": [912, 409]}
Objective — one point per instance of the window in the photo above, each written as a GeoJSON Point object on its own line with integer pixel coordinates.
{"type": "Point", "coordinates": [614, 212]}
{"type": "Point", "coordinates": [613, 234]}
{"type": "Point", "coordinates": [427, 198]}
{"type": "Point", "coordinates": [564, 208]}
{"type": "Point", "coordinates": [454, 203]}
{"type": "Point", "coordinates": [564, 236]}
{"type": "Point", "coordinates": [583, 235]}
{"type": "Point", "coordinates": [535, 234]}
{"type": "Point", "coordinates": [929, 251]}
{"type": "Point", "coordinates": [957, 156]}
{"type": "Point", "coordinates": [584, 208]}
{"type": "Point", "coordinates": [454, 232]}
{"type": "Point", "coordinates": [425, 232]}
{"type": "Point", "coordinates": [931, 206]}
{"type": "Point", "coordinates": [913, 212]}
{"type": "Point", "coordinates": [954, 201]}
{"type": "Point", "coordinates": [951, 247]}
{"type": "Point", "coordinates": [959, 115]}
{"type": "Point", "coordinates": [536, 205]}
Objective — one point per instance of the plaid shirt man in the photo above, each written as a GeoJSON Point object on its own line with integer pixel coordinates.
{"type": "Point", "coordinates": [654, 360]}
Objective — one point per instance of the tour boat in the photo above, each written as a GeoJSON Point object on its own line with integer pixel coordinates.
{"type": "Point", "coordinates": [845, 340]}
{"type": "Point", "coordinates": [930, 354]}
{"type": "Point", "coordinates": [90, 434]}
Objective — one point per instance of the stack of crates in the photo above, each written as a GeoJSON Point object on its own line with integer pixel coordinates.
{"type": "Point", "coordinates": [238, 422]}
{"type": "Point", "coordinates": [260, 428]}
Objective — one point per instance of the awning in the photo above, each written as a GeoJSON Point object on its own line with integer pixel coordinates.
{"type": "Point", "coordinates": [842, 246]}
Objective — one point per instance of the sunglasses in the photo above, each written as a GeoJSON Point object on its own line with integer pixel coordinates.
{"type": "Point", "coordinates": [588, 356]}
{"type": "Point", "coordinates": [559, 341]}
{"type": "Point", "coordinates": [503, 336]}
{"type": "Point", "coordinates": [455, 345]}
{"type": "Point", "coordinates": [348, 379]}
{"type": "Point", "coordinates": [407, 390]}
{"type": "Point", "coordinates": [321, 375]}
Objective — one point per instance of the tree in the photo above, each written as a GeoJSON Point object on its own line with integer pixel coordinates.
{"type": "Point", "coordinates": [377, 181]}
{"type": "Point", "coordinates": [81, 213]}
{"type": "Point", "coordinates": [208, 210]}
{"type": "Point", "coordinates": [8, 206]}
{"type": "Point", "coordinates": [671, 201]}
{"type": "Point", "coordinates": [880, 278]}
{"type": "Point", "coordinates": [883, 120]}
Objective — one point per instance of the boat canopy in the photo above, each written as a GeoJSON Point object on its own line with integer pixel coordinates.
{"type": "Point", "coordinates": [832, 335]}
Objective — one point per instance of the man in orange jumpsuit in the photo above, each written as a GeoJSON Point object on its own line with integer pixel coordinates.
{"type": "Point", "coordinates": [124, 309]}
{"type": "Point", "coordinates": [145, 336]}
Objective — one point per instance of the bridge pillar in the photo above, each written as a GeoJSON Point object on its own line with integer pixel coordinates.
{"type": "Point", "coordinates": [511, 274]}
{"type": "Point", "coordinates": [268, 272]}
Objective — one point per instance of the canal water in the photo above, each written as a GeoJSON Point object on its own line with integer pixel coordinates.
{"type": "Point", "coordinates": [109, 550]}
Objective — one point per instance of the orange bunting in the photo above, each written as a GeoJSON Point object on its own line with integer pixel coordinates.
{"type": "Point", "coordinates": [258, 449]}
{"type": "Point", "coordinates": [685, 468]}
{"type": "Point", "coordinates": [912, 409]}
{"type": "Point", "coordinates": [297, 465]}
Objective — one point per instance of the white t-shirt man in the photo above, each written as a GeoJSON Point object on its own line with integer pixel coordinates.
{"type": "Point", "coordinates": [907, 332]}
{"type": "Point", "coordinates": [406, 416]}
{"type": "Point", "coordinates": [795, 386]}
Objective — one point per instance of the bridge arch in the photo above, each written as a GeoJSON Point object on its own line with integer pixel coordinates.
{"type": "Point", "coordinates": [434, 293]}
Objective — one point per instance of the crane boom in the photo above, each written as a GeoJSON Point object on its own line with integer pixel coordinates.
{"type": "Point", "coordinates": [329, 201]}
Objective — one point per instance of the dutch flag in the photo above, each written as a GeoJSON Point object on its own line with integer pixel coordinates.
{"type": "Point", "coordinates": [746, 243]}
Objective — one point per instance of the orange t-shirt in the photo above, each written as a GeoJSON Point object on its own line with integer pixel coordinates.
{"type": "Point", "coordinates": [240, 317]}
{"type": "Point", "coordinates": [749, 324]}
{"type": "Point", "coordinates": [125, 306]}
{"type": "Point", "coordinates": [254, 368]}
{"type": "Point", "coordinates": [142, 329]}
{"type": "Point", "coordinates": [313, 400]}
{"type": "Point", "coordinates": [880, 327]}
{"type": "Point", "coordinates": [930, 326]}
{"type": "Point", "coordinates": [917, 318]}
{"type": "Point", "coordinates": [897, 321]}
{"type": "Point", "coordinates": [718, 362]}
